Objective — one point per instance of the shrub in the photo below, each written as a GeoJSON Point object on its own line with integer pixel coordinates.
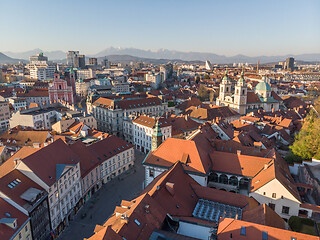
{"type": "Point", "coordinates": [307, 221]}
{"type": "Point", "coordinates": [295, 223]}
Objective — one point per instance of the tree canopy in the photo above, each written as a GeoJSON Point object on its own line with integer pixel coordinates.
{"type": "Point", "coordinates": [307, 142]}
{"type": "Point", "coordinates": [203, 93]}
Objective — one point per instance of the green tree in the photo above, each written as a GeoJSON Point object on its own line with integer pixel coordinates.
{"type": "Point", "coordinates": [203, 93]}
{"type": "Point", "coordinates": [307, 142]}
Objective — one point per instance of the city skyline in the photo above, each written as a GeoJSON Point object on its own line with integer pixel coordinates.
{"type": "Point", "coordinates": [249, 28]}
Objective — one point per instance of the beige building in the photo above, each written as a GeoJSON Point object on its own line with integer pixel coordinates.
{"type": "Point", "coordinates": [4, 115]}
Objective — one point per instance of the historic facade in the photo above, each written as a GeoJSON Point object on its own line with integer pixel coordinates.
{"type": "Point", "coordinates": [239, 98]}
{"type": "Point", "coordinates": [59, 90]}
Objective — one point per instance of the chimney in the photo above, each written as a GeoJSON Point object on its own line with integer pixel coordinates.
{"type": "Point", "coordinates": [265, 166]}
{"type": "Point", "coordinates": [124, 218]}
{"type": "Point", "coordinates": [238, 152]}
{"type": "Point", "coordinates": [186, 117]}
{"type": "Point", "coordinates": [272, 110]}
{"type": "Point", "coordinates": [16, 161]}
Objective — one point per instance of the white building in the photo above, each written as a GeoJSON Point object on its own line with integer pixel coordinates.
{"type": "Point", "coordinates": [116, 156]}
{"type": "Point", "coordinates": [60, 177]}
{"type": "Point", "coordinates": [18, 103]}
{"type": "Point", "coordinates": [4, 115]}
{"type": "Point", "coordinates": [121, 87]}
{"type": "Point", "coordinates": [110, 113]}
{"type": "Point", "coordinates": [143, 130]}
{"type": "Point", "coordinates": [154, 79]}
{"type": "Point", "coordinates": [40, 68]}
{"type": "Point", "coordinates": [38, 117]}
{"type": "Point", "coordinates": [86, 73]}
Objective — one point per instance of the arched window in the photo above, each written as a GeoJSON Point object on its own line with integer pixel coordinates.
{"type": "Point", "coordinates": [223, 179]}
{"type": "Point", "coordinates": [233, 181]}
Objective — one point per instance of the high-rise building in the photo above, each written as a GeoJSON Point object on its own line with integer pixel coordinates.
{"type": "Point", "coordinates": [71, 55]}
{"type": "Point", "coordinates": [93, 61]}
{"type": "Point", "coordinates": [40, 68]}
{"type": "Point", "coordinates": [290, 63]}
{"type": "Point", "coordinates": [38, 57]}
{"type": "Point", "coordinates": [105, 63]}
{"type": "Point", "coordinates": [80, 61]}
{"type": "Point", "coordinates": [75, 59]}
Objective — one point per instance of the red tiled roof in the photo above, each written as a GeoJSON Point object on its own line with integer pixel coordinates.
{"type": "Point", "coordinates": [231, 227]}
{"type": "Point", "coordinates": [15, 193]}
{"type": "Point", "coordinates": [7, 232]}
{"type": "Point", "coordinates": [88, 161]}
{"type": "Point", "coordinates": [10, 164]}
{"type": "Point", "coordinates": [109, 147]}
{"type": "Point", "coordinates": [264, 215]}
{"type": "Point", "coordinates": [252, 97]}
{"type": "Point", "coordinates": [36, 92]}
{"type": "Point", "coordinates": [242, 165]}
{"type": "Point", "coordinates": [196, 158]}
{"type": "Point", "coordinates": [150, 121]}
{"type": "Point", "coordinates": [43, 162]}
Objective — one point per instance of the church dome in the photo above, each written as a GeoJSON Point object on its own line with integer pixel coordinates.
{"type": "Point", "coordinates": [263, 86]}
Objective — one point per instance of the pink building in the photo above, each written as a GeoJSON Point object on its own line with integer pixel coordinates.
{"type": "Point", "coordinates": [59, 90]}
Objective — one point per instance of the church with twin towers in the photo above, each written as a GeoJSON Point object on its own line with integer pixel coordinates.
{"type": "Point", "coordinates": [237, 96]}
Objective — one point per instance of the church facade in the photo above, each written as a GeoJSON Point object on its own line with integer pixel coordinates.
{"type": "Point", "coordinates": [59, 90]}
{"type": "Point", "coordinates": [242, 100]}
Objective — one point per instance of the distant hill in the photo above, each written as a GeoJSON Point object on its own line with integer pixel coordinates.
{"type": "Point", "coordinates": [165, 55]}
{"type": "Point", "coordinates": [199, 56]}
{"type": "Point", "coordinates": [5, 59]}
{"type": "Point", "coordinates": [128, 58]}
{"type": "Point", "coordinates": [52, 55]}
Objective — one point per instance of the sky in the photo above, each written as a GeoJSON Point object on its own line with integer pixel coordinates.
{"type": "Point", "coordinates": [226, 27]}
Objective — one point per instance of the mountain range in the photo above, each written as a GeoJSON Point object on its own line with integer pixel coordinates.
{"type": "Point", "coordinates": [116, 54]}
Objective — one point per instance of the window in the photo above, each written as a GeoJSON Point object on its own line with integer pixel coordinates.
{"type": "Point", "coordinates": [26, 228]}
{"type": "Point", "coordinates": [272, 206]}
{"type": "Point", "coordinates": [151, 172]}
{"type": "Point", "coordinates": [264, 193]}
{"type": "Point", "coordinates": [285, 210]}
{"type": "Point", "coordinates": [274, 195]}
{"type": "Point", "coordinates": [243, 231]}
{"type": "Point", "coordinates": [264, 235]}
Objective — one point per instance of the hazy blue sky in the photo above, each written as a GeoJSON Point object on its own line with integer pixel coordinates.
{"type": "Point", "coordinates": [229, 27]}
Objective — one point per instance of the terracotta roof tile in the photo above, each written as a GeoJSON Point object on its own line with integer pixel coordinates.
{"type": "Point", "coordinates": [228, 226]}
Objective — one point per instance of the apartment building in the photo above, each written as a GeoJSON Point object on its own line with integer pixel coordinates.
{"type": "Point", "coordinates": [115, 156]}
{"type": "Point", "coordinates": [60, 176]}
{"type": "Point", "coordinates": [4, 115]}
{"type": "Point", "coordinates": [143, 128]}
{"type": "Point", "coordinates": [40, 68]}
{"type": "Point", "coordinates": [110, 113]}
{"type": "Point", "coordinates": [37, 117]}
{"type": "Point", "coordinates": [39, 96]}
{"type": "Point", "coordinates": [29, 198]}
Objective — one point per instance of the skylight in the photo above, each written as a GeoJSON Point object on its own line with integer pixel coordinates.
{"type": "Point", "coordinates": [137, 222]}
